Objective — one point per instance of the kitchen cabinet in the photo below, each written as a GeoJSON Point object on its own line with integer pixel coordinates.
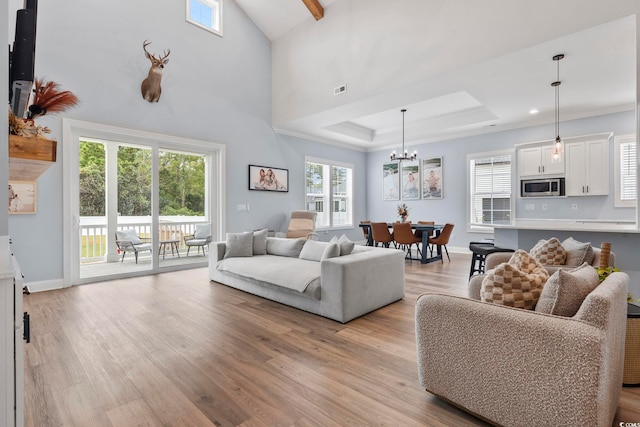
{"type": "Point", "coordinates": [587, 164]}
{"type": "Point", "coordinates": [535, 161]}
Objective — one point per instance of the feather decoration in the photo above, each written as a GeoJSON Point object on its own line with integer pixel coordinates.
{"type": "Point", "coordinates": [47, 99]}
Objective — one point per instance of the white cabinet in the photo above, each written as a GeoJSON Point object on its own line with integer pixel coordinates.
{"type": "Point", "coordinates": [533, 161]}
{"type": "Point", "coordinates": [11, 345]}
{"type": "Point", "coordinates": [587, 168]}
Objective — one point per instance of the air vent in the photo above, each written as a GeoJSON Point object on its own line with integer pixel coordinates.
{"type": "Point", "coordinates": [340, 89]}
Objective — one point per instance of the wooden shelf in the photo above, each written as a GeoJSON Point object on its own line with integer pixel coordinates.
{"type": "Point", "coordinates": [30, 157]}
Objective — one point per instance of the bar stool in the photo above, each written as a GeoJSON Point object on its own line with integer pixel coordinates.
{"type": "Point", "coordinates": [479, 251]}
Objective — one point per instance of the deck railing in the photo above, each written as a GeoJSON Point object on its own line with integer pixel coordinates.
{"type": "Point", "coordinates": [94, 235]}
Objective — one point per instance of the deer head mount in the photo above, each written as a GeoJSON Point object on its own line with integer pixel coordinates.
{"type": "Point", "coordinates": [151, 85]}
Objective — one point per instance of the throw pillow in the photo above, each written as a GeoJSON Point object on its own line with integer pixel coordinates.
{"type": "Point", "coordinates": [284, 247]}
{"type": "Point", "coordinates": [346, 245]}
{"type": "Point", "coordinates": [332, 251]}
{"type": "Point", "coordinates": [313, 250]}
{"type": "Point", "coordinates": [130, 235]}
{"type": "Point", "coordinates": [202, 231]}
{"type": "Point", "coordinates": [577, 252]}
{"type": "Point", "coordinates": [565, 291]}
{"type": "Point", "coordinates": [239, 245]}
{"type": "Point", "coordinates": [260, 242]}
{"type": "Point", "coordinates": [517, 283]}
{"type": "Point", "coordinates": [549, 252]}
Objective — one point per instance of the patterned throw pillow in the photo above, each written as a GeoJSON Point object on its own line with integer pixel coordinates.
{"type": "Point", "coordinates": [517, 283]}
{"type": "Point", "coordinates": [565, 291]}
{"type": "Point", "coordinates": [549, 252]}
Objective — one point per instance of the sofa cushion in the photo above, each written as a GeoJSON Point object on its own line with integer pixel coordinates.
{"type": "Point", "coordinates": [549, 252]}
{"type": "Point", "coordinates": [239, 245]}
{"type": "Point", "coordinates": [517, 283]}
{"type": "Point", "coordinates": [346, 245]}
{"type": "Point", "coordinates": [565, 290]}
{"type": "Point", "coordinates": [260, 242]}
{"type": "Point", "coordinates": [331, 251]}
{"type": "Point", "coordinates": [313, 250]}
{"type": "Point", "coordinates": [284, 247]}
{"type": "Point", "coordinates": [577, 252]}
{"type": "Point", "coordinates": [130, 235]}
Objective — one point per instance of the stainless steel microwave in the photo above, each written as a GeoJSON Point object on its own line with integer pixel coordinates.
{"type": "Point", "coordinates": [547, 187]}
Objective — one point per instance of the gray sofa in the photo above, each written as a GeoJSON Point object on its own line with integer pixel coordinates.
{"type": "Point", "coordinates": [339, 288]}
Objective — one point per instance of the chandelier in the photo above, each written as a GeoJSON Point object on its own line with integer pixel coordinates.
{"type": "Point", "coordinates": [557, 147]}
{"type": "Point", "coordinates": [405, 155]}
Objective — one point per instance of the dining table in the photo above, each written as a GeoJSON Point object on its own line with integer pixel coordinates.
{"type": "Point", "coordinates": [426, 231]}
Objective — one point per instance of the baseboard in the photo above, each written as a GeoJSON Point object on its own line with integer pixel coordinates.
{"type": "Point", "coordinates": [45, 285]}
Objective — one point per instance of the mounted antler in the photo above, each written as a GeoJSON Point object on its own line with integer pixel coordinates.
{"type": "Point", "coordinates": [151, 89]}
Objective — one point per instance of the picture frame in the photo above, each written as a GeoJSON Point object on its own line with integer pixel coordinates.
{"type": "Point", "coordinates": [390, 181]}
{"type": "Point", "coordinates": [23, 196]}
{"type": "Point", "coordinates": [268, 178]}
{"type": "Point", "coordinates": [432, 178]}
{"type": "Point", "coordinates": [410, 174]}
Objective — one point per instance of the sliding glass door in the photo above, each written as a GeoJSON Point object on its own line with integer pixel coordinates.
{"type": "Point", "coordinates": [136, 204]}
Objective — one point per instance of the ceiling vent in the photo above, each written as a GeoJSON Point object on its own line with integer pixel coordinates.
{"type": "Point", "coordinates": [340, 89]}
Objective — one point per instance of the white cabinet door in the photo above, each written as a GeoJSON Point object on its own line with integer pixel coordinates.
{"type": "Point", "coordinates": [549, 165]}
{"type": "Point", "coordinates": [534, 161]}
{"type": "Point", "coordinates": [587, 168]}
{"type": "Point", "coordinates": [597, 168]}
{"type": "Point", "coordinates": [529, 161]}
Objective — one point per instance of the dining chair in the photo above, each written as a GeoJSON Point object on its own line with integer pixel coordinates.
{"type": "Point", "coordinates": [365, 231]}
{"type": "Point", "coordinates": [403, 235]}
{"type": "Point", "coordinates": [441, 240]}
{"type": "Point", "coordinates": [418, 233]}
{"type": "Point", "coordinates": [380, 234]}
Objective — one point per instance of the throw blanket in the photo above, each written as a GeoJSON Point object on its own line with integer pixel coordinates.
{"type": "Point", "coordinates": [291, 273]}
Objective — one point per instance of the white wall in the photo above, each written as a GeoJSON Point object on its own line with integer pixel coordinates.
{"type": "Point", "coordinates": [452, 207]}
{"type": "Point", "coordinates": [4, 137]}
{"type": "Point", "coordinates": [213, 89]}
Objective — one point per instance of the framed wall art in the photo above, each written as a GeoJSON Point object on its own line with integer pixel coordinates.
{"type": "Point", "coordinates": [265, 178]}
{"type": "Point", "coordinates": [22, 197]}
{"type": "Point", "coordinates": [390, 181]}
{"type": "Point", "coordinates": [410, 180]}
{"type": "Point", "coordinates": [432, 178]}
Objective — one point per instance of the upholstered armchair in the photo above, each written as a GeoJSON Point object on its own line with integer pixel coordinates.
{"type": "Point", "coordinates": [301, 225]}
{"type": "Point", "coordinates": [129, 241]}
{"type": "Point", "coordinates": [517, 367]}
{"type": "Point", "coordinates": [200, 238]}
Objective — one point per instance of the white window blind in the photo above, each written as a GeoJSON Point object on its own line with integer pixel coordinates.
{"type": "Point", "coordinates": [626, 170]}
{"type": "Point", "coordinates": [490, 189]}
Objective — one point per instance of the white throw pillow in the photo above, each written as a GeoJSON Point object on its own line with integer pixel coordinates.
{"type": "Point", "coordinates": [346, 245]}
{"type": "Point", "coordinates": [202, 231]}
{"type": "Point", "coordinates": [130, 235]}
{"type": "Point", "coordinates": [239, 245]}
{"type": "Point", "coordinates": [284, 247]}
{"type": "Point", "coordinates": [313, 250]}
{"type": "Point", "coordinates": [577, 252]}
{"type": "Point", "coordinates": [260, 242]}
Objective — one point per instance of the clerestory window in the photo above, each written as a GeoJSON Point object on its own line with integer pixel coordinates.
{"type": "Point", "coordinates": [206, 14]}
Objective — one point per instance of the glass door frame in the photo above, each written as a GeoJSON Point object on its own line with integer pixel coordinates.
{"type": "Point", "coordinates": [74, 130]}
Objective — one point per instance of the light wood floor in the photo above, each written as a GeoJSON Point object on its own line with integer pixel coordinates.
{"type": "Point", "coordinates": [177, 350]}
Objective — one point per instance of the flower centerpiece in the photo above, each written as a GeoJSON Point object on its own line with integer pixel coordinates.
{"type": "Point", "coordinates": [403, 212]}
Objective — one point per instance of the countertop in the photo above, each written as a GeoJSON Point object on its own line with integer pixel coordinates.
{"type": "Point", "coordinates": [608, 226]}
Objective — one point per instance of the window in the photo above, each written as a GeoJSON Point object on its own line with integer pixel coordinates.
{"type": "Point", "coordinates": [206, 14]}
{"type": "Point", "coordinates": [490, 190]}
{"type": "Point", "coordinates": [329, 188]}
{"type": "Point", "coordinates": [625, 170]}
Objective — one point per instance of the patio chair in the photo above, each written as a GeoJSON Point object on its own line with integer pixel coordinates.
{"type": "Point", "coordinates": [201, 238]}
{"type": "Point", "coordinates": [129, 241]}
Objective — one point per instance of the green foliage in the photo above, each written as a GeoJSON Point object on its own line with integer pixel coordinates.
{"type": "Point", "coordinates": [604, 272]}
{"type": "Point", "coordinates": [181, 183]}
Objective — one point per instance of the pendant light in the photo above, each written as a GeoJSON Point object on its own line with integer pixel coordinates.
{"type": "Point", "coordinates": [405, 155]}
{"type": "Point", "coordinates": [557, 146]}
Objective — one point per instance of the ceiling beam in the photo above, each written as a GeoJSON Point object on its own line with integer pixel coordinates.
{"type": "Point", "coordinates": [315, 8]}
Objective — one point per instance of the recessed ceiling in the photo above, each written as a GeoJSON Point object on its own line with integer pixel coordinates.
{"type": "Point", "coordinates": [598, 76]}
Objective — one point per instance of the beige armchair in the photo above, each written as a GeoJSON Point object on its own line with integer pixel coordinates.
{"type": "Point", "coordinates": [301, 225]}
{"type": "Point", "coordinates": [517, 367]}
